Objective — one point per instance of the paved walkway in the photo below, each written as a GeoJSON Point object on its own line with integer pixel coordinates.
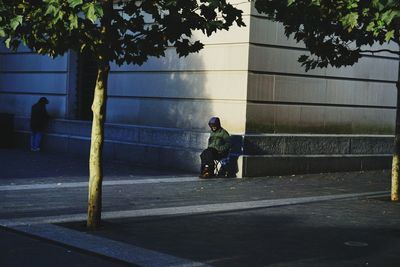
{"type": "Point", "coordinates": [159, 218]}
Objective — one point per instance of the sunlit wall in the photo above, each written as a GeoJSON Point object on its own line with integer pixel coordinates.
{"type": "Point", "coordinates": [249, 77]}
{"type": "Point", "coordinates": [283, 98]}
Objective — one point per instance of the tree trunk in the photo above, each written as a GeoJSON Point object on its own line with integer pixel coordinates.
{"type": "Point", "coordinates": [96, 148]}
{"type": "Point", "coordinates": [396, 150]}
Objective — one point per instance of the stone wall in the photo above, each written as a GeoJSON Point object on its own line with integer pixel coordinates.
{"type": "Point", "coordinates": [283, 98]}
{"type": "Point", "coordinates": [25, 77]}
{"type": "Point", "coordinates": [282, 154]}
{"type": "Point", "coordinates": [255, 154]}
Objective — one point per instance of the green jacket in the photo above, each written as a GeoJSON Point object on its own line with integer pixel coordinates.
{"type": "Point", "coordinates": [220, 140]}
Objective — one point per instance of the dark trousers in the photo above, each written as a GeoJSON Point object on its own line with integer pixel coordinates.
{"type": "Point", "coordinates": [207, 159]}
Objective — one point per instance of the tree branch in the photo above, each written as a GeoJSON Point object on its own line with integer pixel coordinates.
{"type": "Point", "coordinates": [380, 51]}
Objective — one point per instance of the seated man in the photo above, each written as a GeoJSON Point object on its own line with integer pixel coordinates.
{"type": "Point", "coordinates": [219, 145]}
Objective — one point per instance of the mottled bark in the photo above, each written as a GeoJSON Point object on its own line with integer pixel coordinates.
{"type": "Point", "coordinates": [96, 148]}
{"type": "Point", "coordinates": [395, 178]}
{"type": "Point", "coordinates": [396, 150]}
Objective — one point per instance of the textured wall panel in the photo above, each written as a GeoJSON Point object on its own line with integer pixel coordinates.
{"type": "Point", "coordinates": [21, 104]}
{"type": "Point", "coordinates": [4, 49]}
{"type": "Point", "coordinates": [264, 31]}
{"type": "Point", "coordinates": [213, 57]}
{"type": "Point", "coordinates": [25, 77]}
{"type": "Point", "coordinates": [175, 113]}
{"type": "Point", "coordinates": [32, 63]}
{"type": "Point", "coordinates": [219, 85]}
{"type": "Point", "coordinates": [270, 118]}
{"type": "Point", "coordinates": [34, 82]}
{"type": "Point", "coordinates": [269, 59]}
{"type": "Point", "coordinates": [264, 87]}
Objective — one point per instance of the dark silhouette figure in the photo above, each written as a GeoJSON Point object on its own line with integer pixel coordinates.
{"type": "Point", "coordinates": [39, 119]}
{"type": "Point", "coordinates": [219, 145]}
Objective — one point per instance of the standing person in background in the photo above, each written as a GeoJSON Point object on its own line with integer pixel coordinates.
{"type": "Point", "coordinates": [39, 119]}
{"type": "Point", "coordinates": [219, 145]}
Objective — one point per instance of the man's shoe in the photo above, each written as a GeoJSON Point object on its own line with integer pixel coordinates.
{"type": "Point", "coordinates": [205, 175]}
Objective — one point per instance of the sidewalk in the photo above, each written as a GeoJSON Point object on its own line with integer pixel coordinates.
{"type": "Point", "coordinates": [302, 220]}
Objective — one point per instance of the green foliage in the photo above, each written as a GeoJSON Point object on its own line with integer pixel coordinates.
{"type": "Point", "coordinates": [336, 31]}
{"type": "Point", "coordinates": [113, 31]}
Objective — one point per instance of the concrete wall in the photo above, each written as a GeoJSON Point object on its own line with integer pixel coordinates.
{"type": "Point", "coordinates": [182, 93]}
{"type": "Point", "coordinates": [253, 154]}
{"type": "Point", "coordinates": [156, 147]}
{"type": "Point", "coordinates": [167, 92]}
{"type": "Point", "coordinates": [157, 113]}
{"type": "Point", "coordinates": [283, 98]}
{"type": "Point", "coordinates": [280, 154]}
{"type": "Point", "coordinates": [185, 93]}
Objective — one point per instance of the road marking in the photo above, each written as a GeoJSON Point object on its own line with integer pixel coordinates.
{"type": "Point", "coordinates": [106, 247]}
{"type": "Point", "coordinates": [187, 210]}
{"type": "Point", "coordinates": [105, 183]}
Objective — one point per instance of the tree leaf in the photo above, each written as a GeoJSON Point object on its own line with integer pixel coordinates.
{"type": "Point", "coordinates": [74, 3]}
{"type": "Point", "coordinates": [316, 2]}
{"type": "Point", "coordinates": [82, 47]}
{"type": "Point", "coordinates": [389, 35]}
{"type": "Point", "coordinates": [98, 10]}
{"type": "Point", "coordinates": [51, 10]}
{"type": "Point", "coordinates": [73, 19]}
{"type": "Point", "coordinates": [302, 58]}
{"type": "Point", "coordinates": [15, 22]}
{"type": "Point", "coordinates": [90, 12]}
{"type": "Point", "coordinates": [371, 26]}
{"type": "Point", "coordinates": [7, 42]}
{"type": "Point", "coordinates": [350, 21]}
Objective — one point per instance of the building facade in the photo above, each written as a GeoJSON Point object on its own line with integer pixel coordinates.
{"type": "Point", "coordinates": [285, 120]}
